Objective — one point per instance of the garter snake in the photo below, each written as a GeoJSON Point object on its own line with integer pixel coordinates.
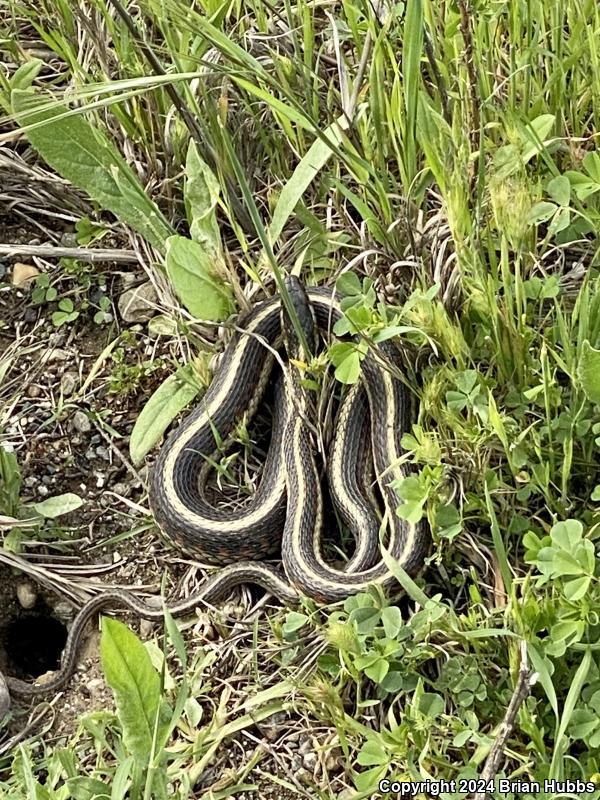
{"type": "Point", "coordinates": [289, 498]}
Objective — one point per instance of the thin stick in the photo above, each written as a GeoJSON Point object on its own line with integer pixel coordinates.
{"type": "Point", "coordinates": [81, 253]}
{"type": "Point", "coordinates": [525, 682]}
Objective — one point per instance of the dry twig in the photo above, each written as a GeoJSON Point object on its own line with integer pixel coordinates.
{"type": "Point", "coordinates": [525, 682]}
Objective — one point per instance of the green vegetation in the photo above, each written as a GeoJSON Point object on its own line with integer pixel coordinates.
{"type": "Point", "coordinates": [444, 156]}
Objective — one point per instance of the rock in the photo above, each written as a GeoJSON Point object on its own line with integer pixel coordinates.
{"type": "Point", "coordinates": [33, 391]}
{"type": "Point", "coordinates": [138, 304]}
{"type": "Point", "coordinates": [102, 453]}
{"type": "Point", "coordinates": [4, 698]}
{"type": "Point", "coordinates": [272, 726]}
{"type": "Point", "coordinates": [333, 759]}
{"type": "Point", "coordinates": [94, 686]}
{"type": "Point", "coordinates": [69, 239]}
{"type": "Point", "coordinates": [55, 354]}
{"type": "Point", "coordinates": [23, 275]}
{"type": "Point", "coordinates": [68, 382]}
{"type": "Point", "coordinates": [310, 761]}
{"type": "Point", "coordinates": [63, 610]}
{"type": "Point", "coordinates": [43, 490]}
{"type": "Point", "coordinates": [26, 594]}
{"type": "Point", "coordinates": [81, 422]}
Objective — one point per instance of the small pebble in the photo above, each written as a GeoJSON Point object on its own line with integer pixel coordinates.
{"type": "Point", "coordinates": [94, 686]}
{"type": "Point", "coordinates": [333, 759]}
{"type": "Point", "coordinates": [68, 382]}
{"type": "Point", "coordinates": [304, 776]}
{"type": "Point", "coordinates": [310, 761]}
{"type": "Point", "coordinates": [26, 594]}
{"type": "Point", "coordinates": [23, 275]}
{"type": "Point", "coordinates": [63, 610]}
{"type": "Point", "coordinates": [4, 698]}
{"type": "Point", "coordinates": [81, 422]}
{"type": "Point", "coordinates": [69, 239]}
{"type": "Point", "coordinates": [56, 354]}
{"type": "Point", "coordinates": [33, 391]}
{"type": "Point", "coordinates": [43, 490]}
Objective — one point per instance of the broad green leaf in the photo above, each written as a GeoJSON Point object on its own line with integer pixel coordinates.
{"type": "Point", "coordinates": [430, 704]}
{"type": "Point", "coordinates": [372, 753]}
{"type": "Point", "coordinates": [538, 129]}
{"type": "Point", "coordinates": [378, 670]}
{"type": "Point", "coordinates": [81, 788]}
{"type": "Point", "coordinates": [577, 589]}
{"type": "Point", "coordinates": [168, 400]}
{"type": "Point", "coordinates": [543, 667]}
{"type": "Point", "coordinates": [559, 190]}
{"type": "Point", "coordinates": [591, 164]}
{"type": "Point", "coordinates": [588, 372]}
{"type": "Point", "coordinates": [583, 722]}
{"type": "Point", "coordinates": [26, 74]}
{"type": "Point", "coordinates": [56, 506]}
{"type": "Point", "coordinates": [88, 159]}
{"type": "Point", "coordinates": [366, 619]}
{"type": "Point", "coordinates": [456, 400]}
{"type": "Point", "coordinates": [136, 685]}
{"type": "Point", "coordinates": [305, 172]}
{"type": "Point", "coordinates": [201, 193]}
{"type": "Point", "coordinates": [567, 534]}
{"type": "Point", "coordinates": [348, 284]}
{"type": "Point", "coordinates": [581, 184]}
{"type": "Point", "coordinates": [365, 781]}
{"type": "Point", "coordinates": [294, 621]}
{"type": "Point", "coordinates": [560, 221]}
{"type": "Point", "coordinates": [195, 280]}
{"type": "Point", "coordinates": [393, 682]}
{"type": "Point", "coordinates": [541, 212]}
{"type": "Point", "coordinates": [346, 359]}
{"type": "Point", "coordinates": [391, 619]}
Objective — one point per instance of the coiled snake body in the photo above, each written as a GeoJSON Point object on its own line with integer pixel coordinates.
{"type": "Point", "coordinates": [370, 422]}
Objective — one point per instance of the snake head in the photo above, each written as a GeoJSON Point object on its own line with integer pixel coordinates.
{"type": "Point", "coordinates": [298, 327]}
